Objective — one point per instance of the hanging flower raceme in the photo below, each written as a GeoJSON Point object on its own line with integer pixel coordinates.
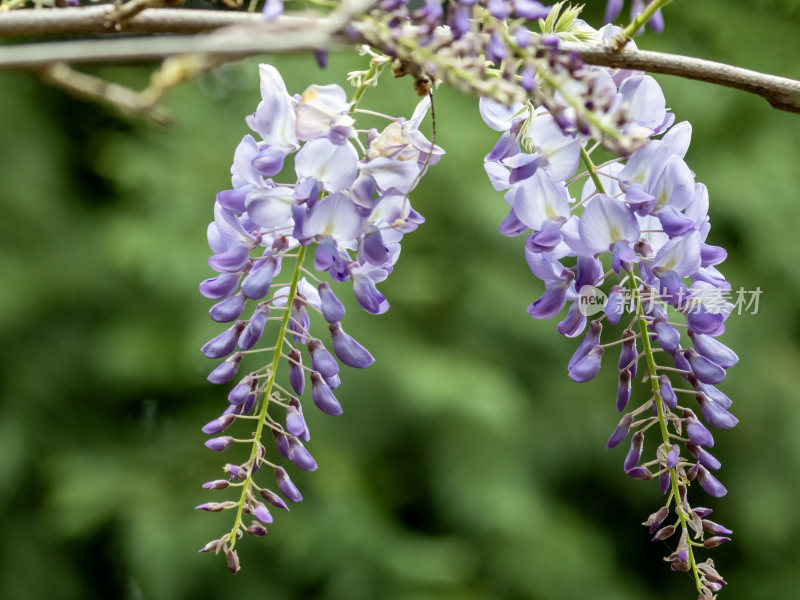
{"type": "Point", "coordinates": [640, 220]}
{"type": "Point", "coordinates": [349, 210]}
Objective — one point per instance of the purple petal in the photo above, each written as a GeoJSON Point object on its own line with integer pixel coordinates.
{"type": "Point", "coordinates": [232, 260]}
{"type": "Point", "coordinates": [551, 302]}
{"type": "Point", "coordinates": [321, 359]}
{"type": "Point", "coordinates": [332, 308]}
{"type": "Point", "coordinates": [710, 484]}
{"type": "Point", "coordinates": [300, 456]}
{"type": "Point", "coordinates": [219, 443]}
{"type": "Point", "coordinates": [574, 323]}
{"type": "Point", "coordinates": [714, 414]}
{"type": "Point", "coordinates": [348, 350]}
{"type": "Point", "coordinates": [323, 397]}
{"type": "Point", "coordinates": [666, 392]}
{"type": "Point", "coordinates": [713, 350]}
{"type": "Point", "coordinates": [297, 377]}
{"type": "Point", "coordinates": [587, 367]}
{"type": "Point", "coordinates": [286, 486]}
{"type": "Point", "coordinates": [668, 337]}
{"type": "Point", "coordinates": [623, 390]}
{"type": "Point", "coordinates": [223, 344]}
{"type": "Point", "coordinates": [698, 434]}
{"type": "Point", "coordinates": [704, 456]}
{"type": "Point", "coordinates": [255, 328]}
{"type": "Point", "coordinates": [221, 286]}
{"type": "Point", "coordinates": [225, 371]}
{"type": "Point", "coordinates": [589, 341]}
{"type": "Point", "coordinates": [635, 452]}
{"type": "Point", "coordinates": [705, 370]}
{"type": "Point", "coordinates": [228, 310]}
{"type": "Point", "coordinates": [257, 283]}
{"type": "Point", "coordinates": [620, 433]}
{"type": "Point", "coordinates": [219, 424]}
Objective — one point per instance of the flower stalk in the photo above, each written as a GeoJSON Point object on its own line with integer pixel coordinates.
{"type": "Point", "coordinates": [262, 415]}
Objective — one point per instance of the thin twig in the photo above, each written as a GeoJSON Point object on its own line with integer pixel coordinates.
{"type": "Point", "coordinates": [93, 88]}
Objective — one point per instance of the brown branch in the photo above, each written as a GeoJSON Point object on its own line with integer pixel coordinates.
{"type": "Point", "coordinates": [93, 88]}
{"type": "Point", "coordinates": [246, 34]}
{"type": "Point", "coordinates": [780, 92]}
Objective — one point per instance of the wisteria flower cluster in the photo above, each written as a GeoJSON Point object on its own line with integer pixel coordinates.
{"type": "Point", "coordinates": [348, 202]}
{"type": "Point", "coordinates": [623, 242]}
{"type": "Point", "coordinates": [639, 223]}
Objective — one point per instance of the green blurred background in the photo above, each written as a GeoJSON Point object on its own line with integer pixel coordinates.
{"type": "Point", "coordinates": [466, 465]}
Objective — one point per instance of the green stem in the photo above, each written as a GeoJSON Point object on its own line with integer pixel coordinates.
{"type": "Point", "coordinates": [374, 71]}
{"type": "Point", "coordinates": [262, 415]}
{"type": "Point", "coordinates": [662, 420]}
{"type": "Point", "coordinates": [587, 162]}
{"type": "Point", "coordinates": [643, 18]}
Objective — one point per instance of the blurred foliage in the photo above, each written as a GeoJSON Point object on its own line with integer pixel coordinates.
{"type": "Point", "coordinates": [466, 465]}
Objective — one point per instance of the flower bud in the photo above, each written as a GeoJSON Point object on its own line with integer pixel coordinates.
{"type": "Point", "coordinates": [273, 498]}
{"type": "Point", "coordinates": [236, 471]}
{"type": "Point", "coordinates": [257, 283]}
{"type": "Point", "coordinates": [655, 519]}
{"type": "Point", "coordinates": [223, 344]}
{"type": "Point", "coordinates": [217, 484]}
{"type": "Point", "coordinates": [332, 308]}
{"type": "Point", "coordinates": [715, 528]}
{"type": "Point", "coordinates": [664, 533]}
{"type": "Point", "coordinates": [286, 486]}
{"type": "Point", "coordinates": [227, 310]}
{"type": "Point", "coordinates": [255, 327]}
{"type": "Point", "coordinates": [233, 561]}
{"type": "Point", "coordinates": [704, 457]}
{"type": "Point", "coordinates": [639, 473]}
{"type": "Point", "coordinates": [261, 513]}
{"type": "Point", "coordinates": [714, 414]}
{"type": "Point", "coordinates": [620, 433]}
{"type": "Point", "coordinates": [628, 354]}
{"type": "Point", "coordinates": [219, 443]}
{"type": "Point", "coordinates": [713, 350]}
{"type": "Point", "coordinates": [615, 304]}
{"type": "Point", "coordinates": [297, 376]}
{"type": "Point", "coordinates": [323, 397]}
{"type": "Point", "coordinates": [322, 360]}
{"type": "Point", "coordinates": [709, 483]}
{"type": "Point", "coordinates": [238, 395]}
{"type": "Point", "coordinates": [349, 351]}
{"type": "Point", "coordinates": [672, 456]}
{"type": "Point", "coordinates": [668, 337]}
{"type": "Point", "coordinates": [221, 286]}
{"type": "Point", "coordinates": [226, 370]}
{"type": "Point", "coordinates": [635, 452]}
{"type": "Point", "coordinates": [587, 367]}
{"type": "Point", "coordinates": [697, 432]}
{"type": "Point", "coordinates": [219, 424]}
{"type": "Point", "coordinates": [623, 390]}
{"type": "Point", "coordinates": [300, 456]}
{"type": "Point", "coordinates": [715, 541]}
{"type": "Point", "coordinates": [666, 392]}
{"type": "Point", "coordinates": [590, 340]}
{"type": "Point", "coordinates": [256, 529]}
{"type": "Point", "coordinates": [213, 546]}
{"type": "Point", "coordinates": [705, 370]}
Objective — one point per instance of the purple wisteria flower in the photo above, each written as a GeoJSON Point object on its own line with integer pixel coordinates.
{"type": "Point", "coordinates": [345, 208]}
{"type": "Point", "coordinates": [640, 220]}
